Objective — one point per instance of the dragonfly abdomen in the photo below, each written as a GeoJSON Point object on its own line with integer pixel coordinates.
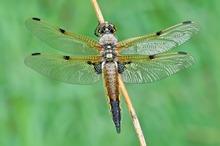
{"type": "Point", "coordinates": [112, 90]}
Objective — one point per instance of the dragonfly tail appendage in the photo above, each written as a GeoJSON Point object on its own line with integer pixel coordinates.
{"type": "Point", "coordinates": [116, 113]}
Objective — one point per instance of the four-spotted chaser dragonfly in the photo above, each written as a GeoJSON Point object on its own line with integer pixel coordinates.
{"type": "Point", "coordinates": [138, 60]}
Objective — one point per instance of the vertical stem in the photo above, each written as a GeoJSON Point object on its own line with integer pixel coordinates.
{"type": "Point", "coordinates": [98, 11]}
{"type": "Point", "coordinates": [132, 113]}
{"type": "Point", "coordinates": [122, 88]}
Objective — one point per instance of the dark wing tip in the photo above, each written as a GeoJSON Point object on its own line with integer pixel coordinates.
{"type": "Point", "coordinates": [183, 53]}
{"type": "Point", "coordinates": [37, 19]}
{"type": "Point", "coordinates": [186, 22]}
{"type": "Point", "coordinates": [35, 54]}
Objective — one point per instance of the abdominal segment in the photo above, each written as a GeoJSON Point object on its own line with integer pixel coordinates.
{"type": "Point", "coordinates": [110, 74]}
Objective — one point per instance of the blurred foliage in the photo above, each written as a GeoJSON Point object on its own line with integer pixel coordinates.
{"type": "Point", "coordinates": [182, 110]}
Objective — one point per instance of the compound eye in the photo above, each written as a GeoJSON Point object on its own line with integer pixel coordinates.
{"type": "Point", "coordinates": [113, 29]}
{"type": "Point", "coordinates": [101, 30]}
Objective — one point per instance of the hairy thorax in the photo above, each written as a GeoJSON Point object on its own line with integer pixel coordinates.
{"type": "Point", "coordinates": [108, 39]}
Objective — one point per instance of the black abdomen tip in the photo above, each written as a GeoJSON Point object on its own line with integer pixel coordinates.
{"type": "Point", "coordinates": [116, 114]}
{"type": "Point", "coordinates": [118, 128]}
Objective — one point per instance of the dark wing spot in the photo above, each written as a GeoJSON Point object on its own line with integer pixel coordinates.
{"type": "Point", "coordinates": [98, 67]}
{"type": "Point", "coordinates": [89, 62]}
{"type": "Point", "coordinates": [62, 30]}
{"type": "Point", "coordinates": [184, 53]}
{"type": "Point", "coordinates": [187, 22]}
{"type": "Point", "coordinates": [66, 57]}
{"type": "Point", "coordinates": [37, 19]}
{"type": "Point", "coordinates": [151, 57]}
{"type": "Point", "coordinates": [121, 67]}
{"type": "Point", "coordinates": [129, 62]}
{"type": "Point", "coordinates": [159, 33]}
{"type": "Point", "coordinates": [35, 54]}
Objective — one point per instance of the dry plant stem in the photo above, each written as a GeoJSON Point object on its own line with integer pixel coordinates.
{"type": "Point", "coordinates": [132, 113]}
{"type": "Point", "coordinates": [122, 87]}
{"type": "Point", "coordinates": [98, 11]}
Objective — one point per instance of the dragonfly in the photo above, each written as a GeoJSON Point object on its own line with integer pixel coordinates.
{"type": "Point", "coordinates": [141, 59]}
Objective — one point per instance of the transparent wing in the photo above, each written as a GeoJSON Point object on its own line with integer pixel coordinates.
{"type": "Point", "coordinates": [74, 70]}
{"type": "Point", "coordinates": [159, 42]}
{"type": "Point", "coordinates": [61, 39]}
{"type": "Point", "coordinates": [145, 69]}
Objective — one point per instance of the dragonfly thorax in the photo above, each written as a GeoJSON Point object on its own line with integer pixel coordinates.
{"type": "Point", "coordinates": [108, 42]}
{"type": "Point", "coordinates": [109, 54]}
{"type": "Point", "coordinates": [108, 39]}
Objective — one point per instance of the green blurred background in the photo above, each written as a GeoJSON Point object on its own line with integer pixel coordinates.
{"type": "Point", "coordinates": [182, 110]}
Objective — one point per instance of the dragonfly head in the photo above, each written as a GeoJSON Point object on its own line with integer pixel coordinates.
{"type": "Point", "coordinates": [105, 28]}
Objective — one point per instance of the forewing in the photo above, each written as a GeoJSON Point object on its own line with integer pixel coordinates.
{"type": "Point", "coordinates": [74, 70]}
{"type": "Point", "coordinates": [160, 41]}
{"type": "Point", "coordinates": [146, 69]}
{"type": "Point", "coordinates": [62, 40]}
